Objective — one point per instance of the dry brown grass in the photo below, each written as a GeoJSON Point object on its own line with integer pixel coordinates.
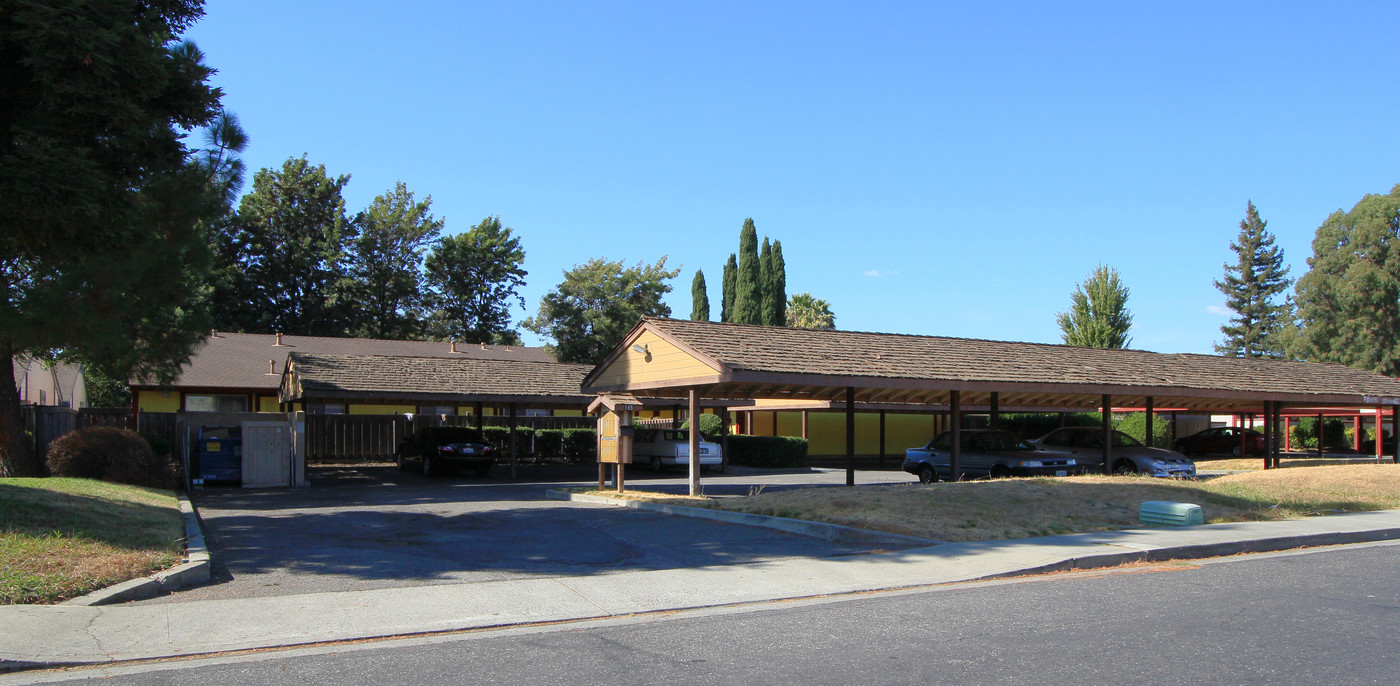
{"type": "Point", "coordinates": [61, 538]}
{"type": "Point", "coordinates": [1257, 463]}
{"type": "Point", "coordinates": [1022, 508]}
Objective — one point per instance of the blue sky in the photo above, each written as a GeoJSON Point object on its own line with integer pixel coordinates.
{"type": "Point", "coordinates": [944, 169]}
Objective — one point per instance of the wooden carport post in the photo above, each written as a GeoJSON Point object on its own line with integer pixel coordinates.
{"type": "Point", "coordinates": [476, 412]}
{"type": "Point", "coordinates": [850, 435]}
{"type": "Point", "coordinates": [882, 438]}
{"type": "Point", "coordinates": [955, 418]}
{"type": "Point", "coordinates": [1148, 434]}
{"type": "Point", "coordinates": [1321, 433]}
{"type": "Point", "coordinates": [694, 445]}
{"type": "Point", "coordinates": [994, 411]}
{"type": "Point", "coordinates": [1107, 434]}
{"type": "Point", "coordinates": [512, 441]}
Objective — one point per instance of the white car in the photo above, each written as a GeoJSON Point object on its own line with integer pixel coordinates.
{"type": "Point", "coordinates": [671, 448]}
{"type": "Point", "coordinates": [1130, 456]}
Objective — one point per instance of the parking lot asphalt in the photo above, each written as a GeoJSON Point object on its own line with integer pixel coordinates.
{"type": "Point", "coordinates": [373, 527]}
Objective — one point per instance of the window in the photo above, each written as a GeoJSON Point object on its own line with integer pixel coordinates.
{"type": "Point", "coordinates": [216, 403]}
{"type": "Point", "coordinates": [436, 409]}
{"type": "Point", "coordinates": [1061, 437]}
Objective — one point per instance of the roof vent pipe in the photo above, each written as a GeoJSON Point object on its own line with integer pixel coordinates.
{"type": "Point", "coordinates": [454, 344]}
{"type": "Point", "coordinates": [272, 368]}
{"type": "Point", "coordinates": [483, 345]}
{"type": "Point", "coordinates": [279, 338]}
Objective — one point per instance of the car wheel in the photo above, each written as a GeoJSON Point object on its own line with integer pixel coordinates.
{"type": "Point", "coordinates": [1000, 471]}
{"type": "Point", "coordinates": [429, 469]}
{"type": "Point", "coordinates": [927, 475]}
{"type": "Point", "coordinates": [655, 464]}
{"type": "Point", "coordinates": [1235, 451]}
{"type": "Point", "coordinates": [1124, 467]}
{"type": "Point", "coordinates": [401, 462]}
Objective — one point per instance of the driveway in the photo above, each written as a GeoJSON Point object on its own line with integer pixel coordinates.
{"type": "Point", "coordinates": [375, 527]}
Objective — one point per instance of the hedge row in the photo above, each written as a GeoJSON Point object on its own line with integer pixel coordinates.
{"type": "Point", "coordinates": [767, 451]}
{"type": "Point", "coordinates": [577, 445]}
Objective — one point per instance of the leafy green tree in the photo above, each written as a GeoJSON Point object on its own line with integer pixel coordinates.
{"type": "Point", "coordinates": [1252, 287]}
{"type": "Point", "coordinates": [748, 285]}
{"type": "Point", "coordinates": [291, 238]}
{"type": "Point", "coordinates": [1098, 316]}
{"type": "Point", "coordinates": [386, 260]}
{"type": "Point", "coordinates": [807, 312]}
{"type": "Point", "coordinates": [473, 279]}
{"type": "Point", "coordinates": [103, 250]}
{"type": "Point", "coordinates": [730, 283]}
{"type": "Point", "coordinates": [597, 304]}
{"type": "Point", "coordinates": [1349, 301]}
{"type": "Point", "coordinates": [777, 286]}
{"type": "Point", "coordinates": [699, 299]}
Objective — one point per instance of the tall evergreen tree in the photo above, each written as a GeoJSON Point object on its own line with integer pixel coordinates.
{"type": "Point", "coordinates": [765, 282]}
{"type": "Point", "coordinates": [1349, 301]}
{"type": "Point", "coordinates": [386, 262]}
{"type": "Point", "coordinates": [102, 208]}
{"type": "Point", "coordinates": [293, 236]}
{"type": "Point", "coordinates": [699, 299]}
{"type": "Point", "coordinates": [748, 291]}
{"type": "Point", "coordinates": [1098, 315]}
{"type": "Point", "coordinates": [730, 283]}
{"type": "Point", "coordinates": [777, 286]}
{"type": "Point", "coordinates": [473, 278]}
{"type": "Point", "coordinates": [1252, 286]}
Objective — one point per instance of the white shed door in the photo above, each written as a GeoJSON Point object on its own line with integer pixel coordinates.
{"type": "Point", "coordinates": [267, 454]}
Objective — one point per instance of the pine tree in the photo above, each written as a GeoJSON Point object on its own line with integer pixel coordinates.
{"type": "Point", "coordinates": [699, 299]}
{"type": "Point", "coordinates": [777, 287]}
{"type": "Point", "coordinates": [1098, 315]}
{"type": "Point", "coordinates": [1251, 288]}
{"type": "Point", "coordinates": [729, 282]}
{"type": "Point", "coordinates": [748, 293]}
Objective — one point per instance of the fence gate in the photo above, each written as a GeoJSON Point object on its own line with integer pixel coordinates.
{"type": "Point", "coordinates": [267, 454]}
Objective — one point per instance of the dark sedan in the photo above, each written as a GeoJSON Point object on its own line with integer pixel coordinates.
{"type": "Point", "coordinates": [439, 449]}
{"type": "Point", "coordinates": [986, 452]}
{"type": "Point", "coordinates": [1223, 440]}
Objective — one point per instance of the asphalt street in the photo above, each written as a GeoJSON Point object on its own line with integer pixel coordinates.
{"type": "Point", "coordinates": [1305, 617]}
{"type": "Point", "coordinates": [375, 527]}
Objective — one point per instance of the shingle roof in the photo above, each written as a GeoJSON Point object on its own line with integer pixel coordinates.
{"type": "Point", "coordinates": [755, 352]}
{"type": "Point", "coordinates": [240, 360]}
{"type": "Point", "coordinates": [312, 375]}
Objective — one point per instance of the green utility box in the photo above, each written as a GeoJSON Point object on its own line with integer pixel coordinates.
{"type": "Point", "coordinates": [1164, 513]}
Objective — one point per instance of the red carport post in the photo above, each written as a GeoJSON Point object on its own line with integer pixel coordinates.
{"type": "Point", "coordinates": [1268, 433]}
{"type": "Point", "coordinates": [1107, 434]}
{"type": "Point", "coordinates": [1380, 430]}
{"type": "Point", "coordinates": [1287, 434]}
{"type": "Point", "coordinates": [1395, 434]}
{"type": "Point", "coordinates": [1356, 433]}
{"type": "Point", "coordinates": [955, 420]}
{"type": "Point", "coordinates": [850, 435]}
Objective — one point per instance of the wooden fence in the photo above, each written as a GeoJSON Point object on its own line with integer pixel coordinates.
{"type": "Point", "coordinates": [47, 423]}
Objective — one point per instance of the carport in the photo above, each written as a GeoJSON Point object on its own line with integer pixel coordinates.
{"type": "Point", "coordinates": [676, 358]}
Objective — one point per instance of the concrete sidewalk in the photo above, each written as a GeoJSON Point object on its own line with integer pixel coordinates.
{"type": "Point", "coordinates": [33, 636]}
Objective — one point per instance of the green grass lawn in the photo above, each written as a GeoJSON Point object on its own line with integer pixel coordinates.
{"type": "Point", "coordinates": [61, 538]}
{"type": "Point", "coordinates": [1023, 508]}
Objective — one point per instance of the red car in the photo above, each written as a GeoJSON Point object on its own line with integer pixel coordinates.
{"type": "Point", "coordinates": [1223, 440]}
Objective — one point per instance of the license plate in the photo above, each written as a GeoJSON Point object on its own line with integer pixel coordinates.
{"type": "Point", "coordinates": [468, 450]}
{"type": "Point", "coordinates": [1061, 472]}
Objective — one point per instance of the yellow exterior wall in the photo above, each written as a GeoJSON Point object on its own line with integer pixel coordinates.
{"type": "Point", "coordinates": [268, 403]}
{"type": "Point", "coordinates": [382, 409]}
{"type": "Point", "coordinates": [158, 401]}
{"type": "Point", "coordinates": [826, 431]}
{"type": "Point", "coordinates": [788, 424]}
{"type": "Point", "coordinates": [667, 362]}
{"type": "Point", "coordinates": [568, 413]}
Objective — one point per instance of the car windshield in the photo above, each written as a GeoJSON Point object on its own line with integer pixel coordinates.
{"type": "Point", "coordinates": [673, 435]}
{"type": "Point", "coordinates": [1122, 440]}
{"type": "Point", "coordinates": [1003, 440]}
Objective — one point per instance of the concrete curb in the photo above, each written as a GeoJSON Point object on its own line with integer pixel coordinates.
{"type": "Point", "coordinates": [1203, 551]}
{"type": "Point", "coordinates": [194, 570]}
{"type": "Point", "coordinates": [834, 533]}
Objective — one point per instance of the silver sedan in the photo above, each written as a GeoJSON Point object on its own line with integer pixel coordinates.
{"type": "Point", "coordinates": [1130, 456]}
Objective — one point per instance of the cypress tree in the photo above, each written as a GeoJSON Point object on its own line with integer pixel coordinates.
{"type": "Point", "coordinates": [728, 283]}
{"type": "Point", "coordinates": [1251, 287]}
{"type": "Point", "coordinates": [777, 287]}
{"type": "Point", "coordinates": [748, 293]}
{"type": "Point", "coordinates": [765, 283]}
{"type": "Point", "coordinates": [699, 299]}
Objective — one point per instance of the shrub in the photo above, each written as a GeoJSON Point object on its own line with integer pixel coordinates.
{"type": "Point", "coordinates": [110, 454]}
{"type": "Point", "coordinates": [1304, 434]}
{"type": "Point", "coordinates": [711, 426]}
{"type": "Point", "coordinates": [549, 442]}
{"type": "Point", "coordinates": [1033, 425]}
{"type": "Point", "coordinates": [580, 445]}
{"type": "Point", "coordinates": [1135, 424]}
{"type": "Point", "coordinates": [773, 452]}
{"type": "Point", "coordinates": [499, 438]}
